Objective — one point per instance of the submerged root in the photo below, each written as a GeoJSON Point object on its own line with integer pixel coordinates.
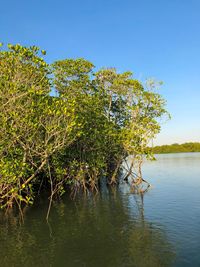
{"type": "Point", "coordinates": [138, 187]}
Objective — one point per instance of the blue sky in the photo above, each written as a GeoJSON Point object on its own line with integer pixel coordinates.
{"type": "Point", "coordinates": [153, 38]}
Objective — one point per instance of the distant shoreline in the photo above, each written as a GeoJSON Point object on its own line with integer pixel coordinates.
{"type": "Point", "coordinates": [177, 148]}
{"type": "Point", "coordinates": [177, 152]}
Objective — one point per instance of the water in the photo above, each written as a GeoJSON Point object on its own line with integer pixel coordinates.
{"type": "Point", "coordinates": [115, 228]}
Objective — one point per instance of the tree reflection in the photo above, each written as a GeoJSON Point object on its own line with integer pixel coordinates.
{"type": "Point", "coordinates": [88, 231]}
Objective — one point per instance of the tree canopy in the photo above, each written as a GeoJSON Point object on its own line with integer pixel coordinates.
{"type": "Point", "coordinates": [72, 138]}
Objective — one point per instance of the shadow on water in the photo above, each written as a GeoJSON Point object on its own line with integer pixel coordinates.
{"type": "Point", "coordinates": [104, 230]}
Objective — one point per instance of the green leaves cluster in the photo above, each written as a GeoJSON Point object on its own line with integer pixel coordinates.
{"type": "Point", "coordinates": [97, 120]}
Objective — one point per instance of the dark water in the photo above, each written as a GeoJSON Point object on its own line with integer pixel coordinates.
{"type": "Point", "coordinates": [115, 228]}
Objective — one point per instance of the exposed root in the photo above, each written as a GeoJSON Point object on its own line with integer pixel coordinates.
{"type": "Point", "coordinates": [134, 179]}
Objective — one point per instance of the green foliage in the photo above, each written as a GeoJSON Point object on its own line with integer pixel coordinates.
{"type": "Point", "coordinates": [96, 121]}
{"type": "Point", "coordinates": [177, 148]}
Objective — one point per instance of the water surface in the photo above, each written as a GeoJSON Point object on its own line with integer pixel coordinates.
{"type": "Point", "coordinates": [115, 228]}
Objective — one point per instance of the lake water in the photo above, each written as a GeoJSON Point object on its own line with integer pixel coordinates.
{"type": "Point", "coordinates": [115, 228]}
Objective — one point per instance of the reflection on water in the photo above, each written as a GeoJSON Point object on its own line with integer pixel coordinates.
{"type": "Point", "coordinates": [115, 228]}
{"type": "Point", "coordinates": [90, 231]}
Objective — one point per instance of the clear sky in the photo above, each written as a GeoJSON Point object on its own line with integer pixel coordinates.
{"type": "Point", "coordinates": [153, 38]}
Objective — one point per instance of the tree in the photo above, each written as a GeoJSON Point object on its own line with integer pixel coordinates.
{"type": "Point", "coordinates": [35, 126]}
{"type": "Point", "coordinates": [96, 122]}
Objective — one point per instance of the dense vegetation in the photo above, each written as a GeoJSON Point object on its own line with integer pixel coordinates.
{"type": "Point", "coordinates": [177, 148]}
{"type": "Point", "coordinates": [75, 136]}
